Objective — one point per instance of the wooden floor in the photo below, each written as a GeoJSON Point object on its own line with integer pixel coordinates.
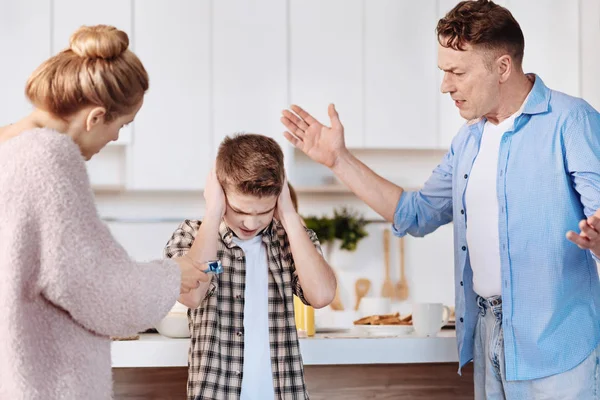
{"type": "Point", "coordinates": [352, 382]}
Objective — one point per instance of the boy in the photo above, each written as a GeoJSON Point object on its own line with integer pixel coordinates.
{"type": "Point", "coordinates": [244, 343]}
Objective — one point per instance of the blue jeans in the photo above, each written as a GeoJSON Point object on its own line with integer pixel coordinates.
{"type": "Point", "coordinates": [579, 383]}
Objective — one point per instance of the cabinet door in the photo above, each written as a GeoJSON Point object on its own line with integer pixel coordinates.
{"type": "Point", "coordinates": [400, 74]}
{"type": "Point", "coordinates": [171, 149]}
{"type": "Point", "coordinates": [326, 56]}
{"type": "Point", "coordinates": [249, 64]}
{"type": "Point", "coordinates": [551, 41]}
{"type": "Point", "coordinates": [69, 15]}
{"type": "Point", "coordinates": [24, 45]}
{"type": "Point", "coordinates": [590, 51]}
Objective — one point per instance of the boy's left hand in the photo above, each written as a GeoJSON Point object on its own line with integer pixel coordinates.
{"type": "Point", "coordinates": [285, 206]}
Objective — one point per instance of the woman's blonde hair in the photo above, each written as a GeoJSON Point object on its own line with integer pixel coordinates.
{"type": "Point", "coordinates": [96, 70]}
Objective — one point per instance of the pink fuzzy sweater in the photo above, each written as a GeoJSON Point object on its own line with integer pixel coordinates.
{"type": "Point", "coordinates": [66, 285]}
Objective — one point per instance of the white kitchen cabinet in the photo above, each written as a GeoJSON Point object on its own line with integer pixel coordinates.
{"type": "Point", "coordinates": [551, 41]}
{"type": "Point", "coordinates": [590, 51]}
{"type": "Point", "coordinates": [326, 61]}
{"type": "Point", "coordinates": [69, 15]}
{"type": "Point", "coordinates": [250, 69]}
{"type": "Point", "coordinates": [24, 45]}
{"type": "Point", "coordinates": [171, 147]}
{"type": "Point", "coordinates": [400, 74]}
{"type": "Point", "coordinates": [107, 169]}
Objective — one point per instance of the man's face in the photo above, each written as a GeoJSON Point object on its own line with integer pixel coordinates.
{"type": "Point", "coordinates": [473, 85]}
{"type": "Point", "coordinates": [248, 215]}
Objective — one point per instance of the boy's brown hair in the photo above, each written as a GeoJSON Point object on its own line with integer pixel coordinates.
{"type": "Point", "coordinates": [485, 24]}
{"type": "Point", "coordinates": [251, 164]}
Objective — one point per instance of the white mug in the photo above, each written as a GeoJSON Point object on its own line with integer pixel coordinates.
{"type": "Point", "coordinates": [428, 318]}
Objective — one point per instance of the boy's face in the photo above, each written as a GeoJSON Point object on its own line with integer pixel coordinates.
{"type": "Point", "coordinates": [248, 215]}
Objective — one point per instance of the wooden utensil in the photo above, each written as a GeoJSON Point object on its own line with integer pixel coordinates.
{"type": "Point", "coordinates": [388, 287]}
{"type": "Point", "coordinates": [362, 287]}
{"type": "Point", "coordinates": [402, 285]}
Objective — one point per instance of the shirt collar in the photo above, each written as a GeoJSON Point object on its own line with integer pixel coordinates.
{"type": "Point", "coordinates": [227, 234]}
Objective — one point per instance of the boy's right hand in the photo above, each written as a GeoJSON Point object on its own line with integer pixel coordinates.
{"type": "Point", "coordinates": [191, 274]}
{"type": "Point", "coordinates": [214, 195]}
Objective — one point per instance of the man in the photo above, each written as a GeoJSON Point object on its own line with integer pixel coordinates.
{"type": "Point", "coordinates": [522, 173]}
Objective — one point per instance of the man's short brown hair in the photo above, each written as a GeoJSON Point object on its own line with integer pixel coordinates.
{"type": "Point", "coordinates": [485, 24]}
{"type": "Point", "coordinates": [251, 164]}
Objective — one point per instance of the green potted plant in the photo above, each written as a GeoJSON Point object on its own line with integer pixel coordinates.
{"type": "Point", "coordinates": [347, 226]}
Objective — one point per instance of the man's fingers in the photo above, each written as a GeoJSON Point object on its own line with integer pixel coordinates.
{"type": "Point", "coordinates": [594, 223]}
{"type": "Point", "coordinates": [304, 115]}
{"type": "Point", "coordinates": [294, 118]}
{"type": "Point", "coordinates": [334, 117]}
{"type": "Point", "coordinates": [588, 231]}
{"type": "Point", "coordinates": [293, 140]}
{"type": "Point", "coordinates": [579, 240]}
{"type": "Point", "coordinates": [292, 127]}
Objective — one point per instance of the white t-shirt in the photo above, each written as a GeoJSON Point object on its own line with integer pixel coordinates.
{"type": "Point", "coordinates": [257, 379]}
{"type": "Point", "coordinates": [481, 203]}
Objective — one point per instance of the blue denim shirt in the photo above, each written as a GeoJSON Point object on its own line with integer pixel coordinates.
{"type": "Point", "coordinates": [548, 179]}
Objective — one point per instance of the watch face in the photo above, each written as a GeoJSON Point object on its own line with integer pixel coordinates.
{"type": "Point", "coordinates": [214, 267]}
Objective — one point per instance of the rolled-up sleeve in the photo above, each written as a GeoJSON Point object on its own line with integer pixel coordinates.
{"type": "Point", "coordinates": [582, 151]}
{"type": "Point", "coordinates": [422, 212]}
{"type": "Point", "coordinates": [182, 239]}
{"type": "Point", "coordinates": [582, 159]}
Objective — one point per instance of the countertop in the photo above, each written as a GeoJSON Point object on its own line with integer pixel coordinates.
{"type": "Point", "coordinates": [154, 350]}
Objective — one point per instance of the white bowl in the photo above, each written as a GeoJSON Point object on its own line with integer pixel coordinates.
{"type": "Point", "coordinates": [175, 324]}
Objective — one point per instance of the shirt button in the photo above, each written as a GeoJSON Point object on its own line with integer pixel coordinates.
{"type": "Point", "coordinates": [466, 176]}
{"type": "Point", "coordinates": [240, 258]}
{"type": "Point", "coordinates": [461, 319]}
{"type": "Point", "coordinates": [238, 296]}
{"type": "Point", "coordinates": [464, 248]}
{"type": "Point", "coordinates": [239, 334]}
{"type": "Point", "coordinates": [238, 373]}
{"type": "Point", "coordinates": [461, 283]}
{"type": "Point", "coordinates": [462, 212]}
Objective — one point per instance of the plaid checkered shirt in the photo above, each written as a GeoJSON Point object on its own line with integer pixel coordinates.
{"type": "Point", "coordinates": [216, 353]}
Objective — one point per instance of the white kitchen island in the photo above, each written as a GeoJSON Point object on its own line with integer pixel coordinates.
{"type": "Point", "coordinates": [153, 350]}
{"type": "Point", "coordinates": [337, 366]}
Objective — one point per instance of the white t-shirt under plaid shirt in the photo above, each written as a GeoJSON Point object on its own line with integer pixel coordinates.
{"type": "Point", "coordinates": [216, 354]}
{"type": "Point", "coordinates": [257, 381]}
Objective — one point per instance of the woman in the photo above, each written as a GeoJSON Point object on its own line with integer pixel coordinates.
{"type": "Point", "coordinates": [66, 285]}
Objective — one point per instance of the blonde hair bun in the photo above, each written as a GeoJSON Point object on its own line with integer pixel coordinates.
{"type": "Point", "coordinates": [99, 41]}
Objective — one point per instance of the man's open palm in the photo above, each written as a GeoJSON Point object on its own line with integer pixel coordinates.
{"type": "Point", "coordinates": [321, 143]}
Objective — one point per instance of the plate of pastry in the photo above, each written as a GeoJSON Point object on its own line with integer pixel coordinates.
{"type": "Point", "coordinates": [385, 325]}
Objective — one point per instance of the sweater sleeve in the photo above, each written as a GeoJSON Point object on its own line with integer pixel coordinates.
{"type": "Point", "coordinates": [83, 269]}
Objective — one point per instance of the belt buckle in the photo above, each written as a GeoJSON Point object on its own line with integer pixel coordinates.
{"type": "Point", "coordinates": [495, 302]}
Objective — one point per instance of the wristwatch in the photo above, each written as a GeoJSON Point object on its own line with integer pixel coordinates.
{"type": "Point", "coordinates": [213, 267]}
